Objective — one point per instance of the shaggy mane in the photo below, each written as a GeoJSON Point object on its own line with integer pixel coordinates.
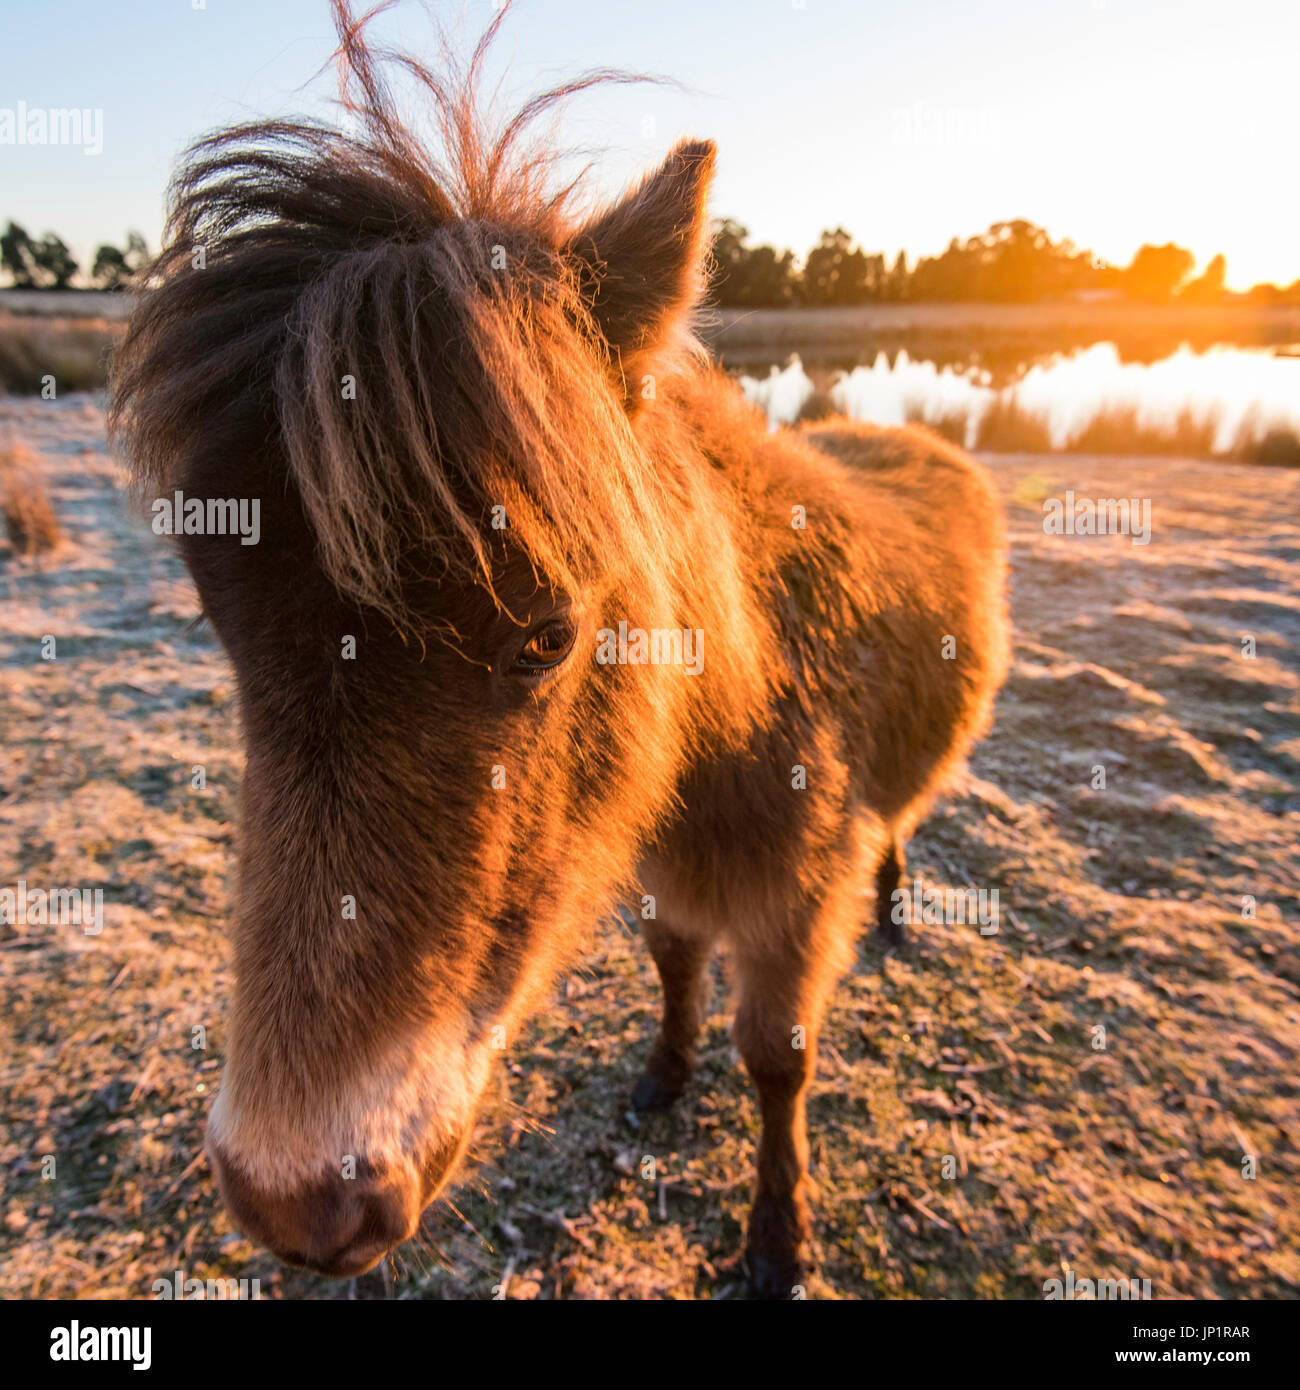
{"type": "Point", "coordinates": [297, 255]}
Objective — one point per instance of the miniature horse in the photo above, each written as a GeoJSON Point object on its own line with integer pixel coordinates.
{"type": "Point", "coordinates": [500, 488]}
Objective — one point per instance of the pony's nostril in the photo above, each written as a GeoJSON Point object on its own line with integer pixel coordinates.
{"type": "Point", "coordinates": [335, 1226]}
{"type": "Point", "coordinates": [385, 1221]}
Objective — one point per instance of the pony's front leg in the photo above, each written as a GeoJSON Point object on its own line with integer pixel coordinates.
{"type": "Point", "coordinates": [889, 874]}
{"type": "Point", "coordinates": [783, 988]}
{"type": "Point", "coordinates": [683, 963]}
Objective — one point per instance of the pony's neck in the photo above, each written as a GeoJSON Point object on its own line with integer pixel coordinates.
{"type": "Point", "coordinates": [706, 442]}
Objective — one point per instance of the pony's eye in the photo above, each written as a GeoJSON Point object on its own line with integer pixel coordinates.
{"type": "Point", "coordinates": [547, 647]}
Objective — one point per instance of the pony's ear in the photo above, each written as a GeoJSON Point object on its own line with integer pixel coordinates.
{"type": "Point", "coordinates": [642, 261]}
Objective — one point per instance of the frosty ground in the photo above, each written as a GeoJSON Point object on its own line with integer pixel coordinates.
{"type": "Point", "coordinates": [969, 1135]}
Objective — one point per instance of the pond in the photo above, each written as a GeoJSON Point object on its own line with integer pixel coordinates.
{"type": "Point", "coordinates": [1228, 401]}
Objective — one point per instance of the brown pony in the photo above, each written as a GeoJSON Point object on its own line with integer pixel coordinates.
{"type": "Point", "coordinates": [540, 616]}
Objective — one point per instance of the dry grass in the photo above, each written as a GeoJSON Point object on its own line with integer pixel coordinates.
{"type": "Point", "coordinates": [969, 1138]}
{"type": "Point", "coordinates": [1120, 431]}
{"type": "Point", "coordinates": [73, 352]}
{"type": "Point", "coordinates": [1005, 428]}
{"type": "Point", "coordinates": [30, 522]}
{"type": "Point", "coordinates": [1277, 447]}
{"type": "Point", "coordinates": [950, 424]}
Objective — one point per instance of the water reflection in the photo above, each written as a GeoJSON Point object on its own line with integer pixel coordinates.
{"type": "Point", "coordinates": [1226, 400]}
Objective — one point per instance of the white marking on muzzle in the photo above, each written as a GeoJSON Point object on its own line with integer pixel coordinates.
{"type": "Point", "coordinates": [422, 1095]}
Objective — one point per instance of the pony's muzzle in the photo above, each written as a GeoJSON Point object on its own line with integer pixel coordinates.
{"type": "Point", "coordinates": [334, 1225]}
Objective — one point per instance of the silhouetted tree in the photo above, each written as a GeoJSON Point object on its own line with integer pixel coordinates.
{"type": "Point", "coordinates": [1209, 287]}
{"type": "Point", "coordinates": [17, 256]}
{"type": "Point", "coordinates": [838, 272]}
{"type": "Point", "coordinates": [897, 282]}
{"type": "Point", "coordinates": [749, 277]}
{"type": "Point", "coordinates": [770, 279]}
{"type": "Point", "coordinates": [43, 264]}
{"type": "Point", "coordinates": [1013, 262]}
{"type": "Point", "coordinates": [108, 270]}
{"type": "Point", "coordinates": [1157, 271]}
{"type": "Point", "coordinates": [55, 261]}
{"type": "Point", "coordinates": [726, 257]}
{"type": "Point", "coordinates": [112, 268]}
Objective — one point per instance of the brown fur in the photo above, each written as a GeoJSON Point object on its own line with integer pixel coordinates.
{"type": "Point", "coordinates": [481, 817]}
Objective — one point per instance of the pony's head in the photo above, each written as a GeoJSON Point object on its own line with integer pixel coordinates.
{"type": "Point", "coordinates": [446, 394]}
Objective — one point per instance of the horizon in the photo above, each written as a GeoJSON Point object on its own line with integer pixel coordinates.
{"type": "Point", "coordinates": [957, 146]}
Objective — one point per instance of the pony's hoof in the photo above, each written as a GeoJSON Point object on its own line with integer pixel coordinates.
{"type": "Point", "coordinates": [774, 1279]}
{"type": "Point", "coordinates": [653, 1094]}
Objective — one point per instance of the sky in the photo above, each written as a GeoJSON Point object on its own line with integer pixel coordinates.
{"type": "Point", "coordinates": [908, 122]}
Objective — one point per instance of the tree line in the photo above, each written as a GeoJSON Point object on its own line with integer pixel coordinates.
{"type": "Point", "coordinates": [1013, 262]}
{"type": "Point", "coordinates": [45, 263]}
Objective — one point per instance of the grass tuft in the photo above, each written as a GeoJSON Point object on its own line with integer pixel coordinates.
{"type": "Point", "coordinates": [30, 522]}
